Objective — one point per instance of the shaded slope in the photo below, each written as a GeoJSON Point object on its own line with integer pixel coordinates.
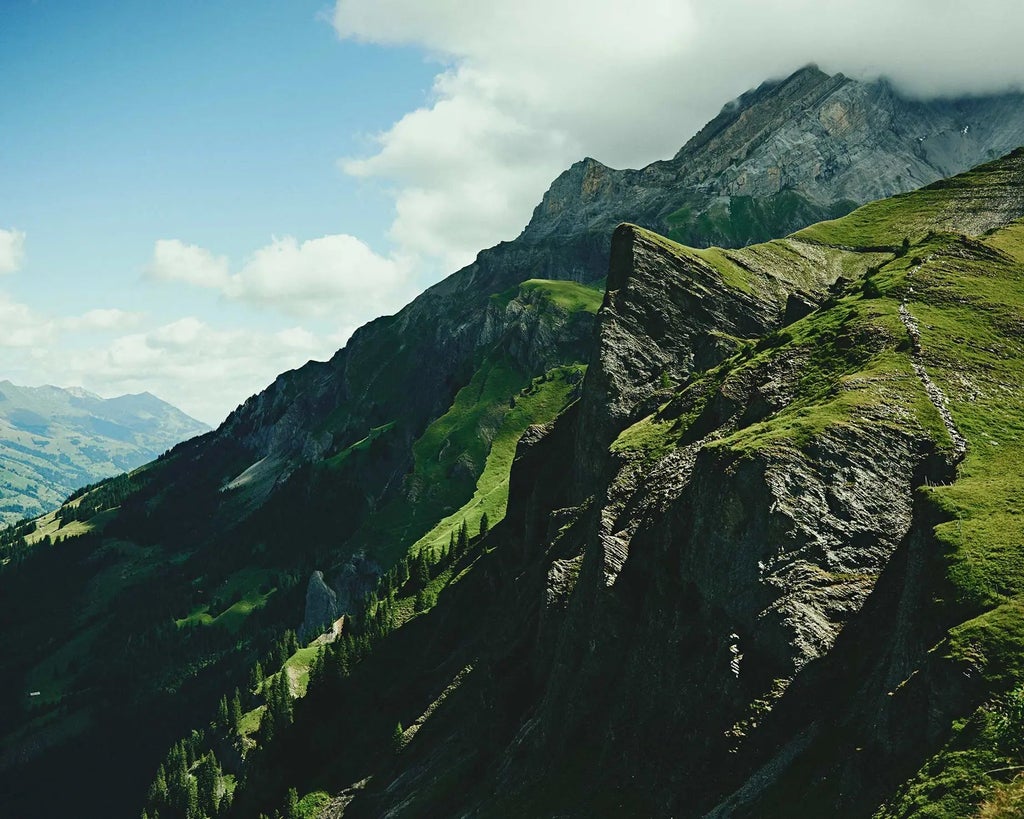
{"type": "Point", "coordinates": [767, 581]}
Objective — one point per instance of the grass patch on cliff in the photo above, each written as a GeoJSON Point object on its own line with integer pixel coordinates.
{"type": "Point", "coordinates": [232, 601]}
{"type": "Point", "coordinates": [852, 368]}
{"type": "Point", "coordinates": [572, 297]}
{"type": "Point", "coordinates": [956, 780]}
{"type": "Point", "coordinates": [850, 365]}
{"type": "Point", "coordinates": [712, 259]}
{"type": "Point", "coordinates": [540, 403]}
{"type": "Point", "coordinates": [776, 268]}
{"type": "Point", "coordinates": [449, 458]}
{"type": "Point", "coordinates": [335, 461]}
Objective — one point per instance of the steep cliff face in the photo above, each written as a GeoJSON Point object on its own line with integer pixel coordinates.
{"type": "Point", "coordinates": [753, 595]}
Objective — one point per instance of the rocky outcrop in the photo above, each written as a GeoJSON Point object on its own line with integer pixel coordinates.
{"type": "Point", "coordinates": [355, 579]}
{"type": "Point", "coordinates": [321, 607]}
{"type": "Point", "coordinates": [786, 154]}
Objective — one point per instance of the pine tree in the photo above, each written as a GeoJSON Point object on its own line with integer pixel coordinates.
{"type": "Point", "coordinates": [463, 542]}
{"type": "Point", "coordinates": [336, 661]}
{"type": "Point", "coordinates": [223, 720]}
{"type": "Point", "coordinates": [192, 809]}
{"type": "Point", "coordinates": [266, 730]}
{"type": "Point", "coordinates": [291, 805]}
{"type": "Point", "coordinates": [422, 570]}
{"type": "Point", "coordinates": [208, 776]}
{"type": "Point", "coordinates": [483, 524]}
{"type": "Point", "coordinates": [158, 790]}
{"type": "Point", "coordinates": [256, 678]}
{"type": "Point", "coordinates": [282, 704]}
{"type": "Point", "coordinates": [450, 555]}
{"type": "Point", "coordinates": [396, 737]}
{"type": "Point", "coordinates": [235, 713]}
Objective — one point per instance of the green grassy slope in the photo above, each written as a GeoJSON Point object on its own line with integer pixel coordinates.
{"type": "Point", "coordinates": [462, 459]}
{"type": "Point", "coordinates": [965, 296]}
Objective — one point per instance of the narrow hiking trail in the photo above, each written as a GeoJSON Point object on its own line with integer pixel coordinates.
{"type": "Point", "coordinates": [935, 394]}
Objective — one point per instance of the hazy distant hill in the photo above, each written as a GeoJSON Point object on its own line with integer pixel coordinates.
{"type": "Point", "coordinates": [54, 440]}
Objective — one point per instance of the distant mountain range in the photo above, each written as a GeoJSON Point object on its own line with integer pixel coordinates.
{"type": "Point", "coordinates": [53, 441]}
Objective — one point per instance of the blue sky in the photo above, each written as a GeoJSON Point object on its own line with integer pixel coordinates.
{"type": "Point", "coordinates": [196, 196]}
{"type": "Point", "coordinates": [219, 123]}
{"type": "Point", "coordinates": [125, 122]}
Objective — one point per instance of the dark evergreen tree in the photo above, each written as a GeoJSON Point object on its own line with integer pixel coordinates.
{"type": "Point", "coordinates": [223, 720]}
{"type": "Point", "coordinates": [463, 541]}
{"type": "Point", "coordinates": [484, 523]}
{"type": "Point", "coordinates": [192, 809]}
{"type": "Point", "coordinates": [421, 574]}
{"type": "Point", "coordinates": [157, 795]}
{"type": "Point", "coordinates": [235, 713]}
{"type": "Point", "coordinates": [291, 804]}
{"type": "Point", "coordinates": [208, 776]}
{"type": "Point", "coordinates": [256, 677]}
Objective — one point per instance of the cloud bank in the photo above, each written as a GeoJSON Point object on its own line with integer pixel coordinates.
{"type": "Point", "coordinates": [526, 88]}
{"type": "Point", "coordinates": [332, 276]}
{"type": "Point", "coordinates": [204, 370]}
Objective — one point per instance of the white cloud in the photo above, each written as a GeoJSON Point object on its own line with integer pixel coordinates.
{"type": "Point", "coordinates": [205, 370]}
{"type": "Point", "coordinates": [101, 320]}
{"type": "Point", "coordinates": [174, 260]}
{"type": "Point", "coordinates": [526, 88]}
{"type": "Point", "coordinates": [323, 276]}
{"type": "Point", "coordinates": [22, 326]}
{"type": "Point", "coordinates": [12, 250]}
{"type": "Point", "coordinates": [336, 275]}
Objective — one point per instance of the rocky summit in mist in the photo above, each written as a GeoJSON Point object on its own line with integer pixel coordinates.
{"type": "Point", "coordinates": [53, 441]}
{"type": "Point", "coordinates": [700, 498]}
